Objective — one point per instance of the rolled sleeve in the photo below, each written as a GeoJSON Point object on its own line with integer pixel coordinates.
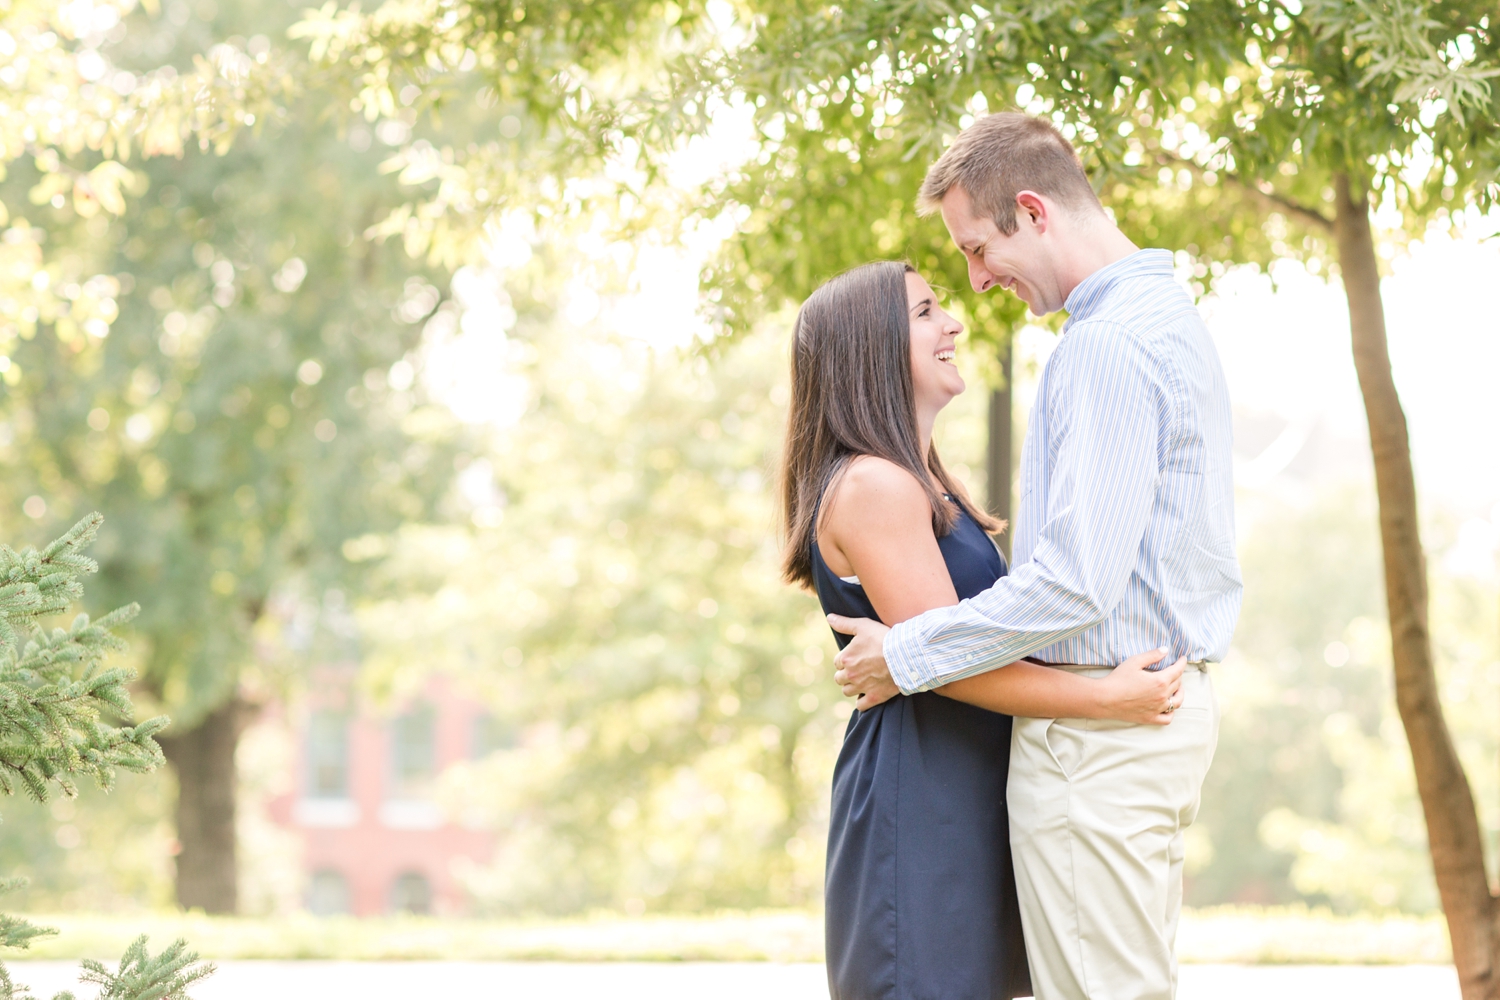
{"type": "Point", "coordinates": [906, 658]}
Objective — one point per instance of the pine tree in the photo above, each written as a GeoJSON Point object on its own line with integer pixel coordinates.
{"type": "Point", "coordinates": [56, 700]}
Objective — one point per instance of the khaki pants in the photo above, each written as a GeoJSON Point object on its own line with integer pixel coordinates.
{"type": "Point", "coordinates": [1097, 814]}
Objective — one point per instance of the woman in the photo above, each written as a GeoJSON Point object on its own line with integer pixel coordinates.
{"type": "Point", "coordinates": [920, 893]}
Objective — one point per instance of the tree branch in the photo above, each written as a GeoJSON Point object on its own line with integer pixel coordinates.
{"type": "Point", "coordinates": [1264, 194]}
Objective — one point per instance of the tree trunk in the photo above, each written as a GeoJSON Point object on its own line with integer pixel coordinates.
{"type": "Point", "coordinates": [203, 759]}
{"type": "Point", "coordinates": [1447, 801]}
{"type": "Point", "coordinates": [997, 463]}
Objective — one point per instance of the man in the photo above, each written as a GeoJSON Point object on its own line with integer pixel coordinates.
{"type": "Point", "coordinates": [1124, 541]}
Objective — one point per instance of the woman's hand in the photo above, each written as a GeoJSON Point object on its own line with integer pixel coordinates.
{"type": "Point", "coordinates": [1135, 693]}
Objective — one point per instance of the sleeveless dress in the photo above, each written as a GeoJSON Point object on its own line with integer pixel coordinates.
{"type": "Point", "coordinates": [920, 894]}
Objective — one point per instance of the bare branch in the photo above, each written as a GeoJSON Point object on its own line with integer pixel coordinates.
{"type": "Point", "coordinates": [1262, 191]}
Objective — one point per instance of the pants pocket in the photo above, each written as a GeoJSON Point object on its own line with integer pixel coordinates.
{"type": "Point", "coordinates": [1065, 745]}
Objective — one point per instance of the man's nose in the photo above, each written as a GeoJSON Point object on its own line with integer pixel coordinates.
{"type": "Point", "coordinates": [980, 279]}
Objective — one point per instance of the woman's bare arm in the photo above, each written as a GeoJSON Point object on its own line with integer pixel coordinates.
{"type": "Point", "coordinates": [877, 524]}
{"type": "Point", "coordinates": [1130, 694]}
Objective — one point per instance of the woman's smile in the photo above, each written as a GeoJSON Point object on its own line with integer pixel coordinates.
{"type": "Point", "coordinates": [932, 334]}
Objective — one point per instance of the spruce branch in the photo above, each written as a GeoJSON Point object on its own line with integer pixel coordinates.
{"type": "Point", "coordinates": [144, 977]}
{"type": "Point", "coordinates": [140, 975]}
{"type": "Point", "coordinates": [54, 689]}
{"type": "Point", "coordinates": [16, 933]}
{"type": "Point", "coordinates": [10, 991]}
{"type": "Point", "coordinates": [55, 694]}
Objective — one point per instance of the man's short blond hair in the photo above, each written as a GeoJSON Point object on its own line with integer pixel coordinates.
{"type": "Point", "coordinates": [998, 157]}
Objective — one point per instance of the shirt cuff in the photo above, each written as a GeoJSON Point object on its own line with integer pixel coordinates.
{"type": "Point", "coordinates": [905, 659]}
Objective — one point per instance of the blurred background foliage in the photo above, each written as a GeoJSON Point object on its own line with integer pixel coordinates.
{"type": "Point", "coordinates": [607, 586]}
{"type": "Point", "coordinates": [245, 409]}
{"type": "Point", "coordinates": [669, 724]}
{"type": "Point", "coordinates": [241, 360]}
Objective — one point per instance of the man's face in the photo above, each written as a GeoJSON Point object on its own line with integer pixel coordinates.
{"type": "Point", "coordinates": [1018, 262]}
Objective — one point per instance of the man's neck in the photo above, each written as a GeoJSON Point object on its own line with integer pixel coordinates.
{"type": "Point", "coordinates": [1090, 249]}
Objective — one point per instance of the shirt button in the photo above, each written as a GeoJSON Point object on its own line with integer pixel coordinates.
{"type": "Point", "coordinates": [969, 657]}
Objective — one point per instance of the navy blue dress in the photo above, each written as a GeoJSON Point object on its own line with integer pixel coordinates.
{"type": "Point", "coordinates": [920, 893]}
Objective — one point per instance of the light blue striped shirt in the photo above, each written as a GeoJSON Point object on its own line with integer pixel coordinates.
{"type": "Point", "coordinates": [1124, 539]}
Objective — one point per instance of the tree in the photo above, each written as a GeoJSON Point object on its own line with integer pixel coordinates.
{"type": "Point", "coordinates": [1326, 106]}
{"type": "Point", "coordinates": [1237, 131]}
{"type": "Point", "coordinates": [594, 103]}
{"type": "Point", "coordinates": [246, 410]}
{"type": "Point", "coordinates": [81, 120]}
{"type": "Point", "coordinates": [56, 698]}
{"type": "Point", "coordinates": [1227, 128]}
{"type": "Point", "coordinates": [854, 103]}
{"type": "Point", "coordinates": [1403, 109]}
{"type": "Point", "coordinates": [570, 87]}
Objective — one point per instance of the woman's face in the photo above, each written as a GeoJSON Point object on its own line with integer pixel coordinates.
{"type": "Point", "coordinates": [934, 374]}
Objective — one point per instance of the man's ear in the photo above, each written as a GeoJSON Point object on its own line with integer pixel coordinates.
{"type": "Point", "coordinates": [1031, 204]}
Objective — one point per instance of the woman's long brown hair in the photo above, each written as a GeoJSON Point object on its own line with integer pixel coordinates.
{"type": "Point", "coordinates": [852, 395]}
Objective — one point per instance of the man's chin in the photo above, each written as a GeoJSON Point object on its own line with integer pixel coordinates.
{"type": "Point", "coordinates": [1024, 294]}
{"type": "Point", "coordinates": [1039, 308]}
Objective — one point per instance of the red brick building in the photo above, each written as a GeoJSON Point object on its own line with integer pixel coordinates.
{"type": "Point", "coordinates": [374, 839]}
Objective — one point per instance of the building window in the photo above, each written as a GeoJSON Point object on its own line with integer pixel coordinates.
{"type": "Point", "coordinates": [328, 756]}
{"type": "Point", "coordinates": [413, 756]}
{"type": "Point", "coordinates": [328, 893]}
{"type": "Point", "coordinates": [491, 734]}
{"type": "Point", "coordinates": [411, 893]}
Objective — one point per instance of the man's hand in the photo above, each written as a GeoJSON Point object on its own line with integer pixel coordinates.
{"type": "Point", "coordinates": [861, 665]}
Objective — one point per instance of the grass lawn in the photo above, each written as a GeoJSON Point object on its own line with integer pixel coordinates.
{"type": "Point", "coordinates": [1283, 935]}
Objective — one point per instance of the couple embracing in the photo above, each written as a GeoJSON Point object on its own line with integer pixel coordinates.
{"type": "Point", "coordinates": [1030, 742]}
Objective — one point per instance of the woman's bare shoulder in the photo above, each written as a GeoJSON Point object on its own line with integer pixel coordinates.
{"type": "Point", "coordinates": [872, 485]}
{"type": "Point", "coordinates": [881, 529]}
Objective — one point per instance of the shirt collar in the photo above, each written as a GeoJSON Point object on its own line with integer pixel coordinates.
{"type": "Point", "coordinates": [1093, 290]}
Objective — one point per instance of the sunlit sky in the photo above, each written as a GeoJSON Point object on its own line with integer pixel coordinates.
{"type": "Point", "coordinates": [1286, 350]}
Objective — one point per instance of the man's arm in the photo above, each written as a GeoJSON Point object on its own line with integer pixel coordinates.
{"type": "Point", "coordinates": [1111, 408]}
